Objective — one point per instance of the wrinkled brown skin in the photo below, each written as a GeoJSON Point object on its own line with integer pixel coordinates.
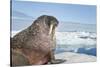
{"type": "Point", "coordinates": [34, 46]}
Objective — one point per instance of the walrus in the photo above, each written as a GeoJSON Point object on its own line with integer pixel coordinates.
{"type": "Point", "coordinates": [36, 44]}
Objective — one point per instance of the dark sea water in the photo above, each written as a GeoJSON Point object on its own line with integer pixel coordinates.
{"type": "Point", "coordinates": [91, 51]}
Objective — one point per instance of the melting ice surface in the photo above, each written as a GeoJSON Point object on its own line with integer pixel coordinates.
{"type": "Point", "coordinates": [76, 39]}
{"type": "Point", "coordinates": [80, 42]}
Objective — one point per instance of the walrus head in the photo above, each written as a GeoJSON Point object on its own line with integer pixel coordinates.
{"type": "Point", "coordinates": [47, 23]}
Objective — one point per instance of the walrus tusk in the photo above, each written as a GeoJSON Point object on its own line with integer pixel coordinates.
{"type": "Point", "coordinates": [50, 31]}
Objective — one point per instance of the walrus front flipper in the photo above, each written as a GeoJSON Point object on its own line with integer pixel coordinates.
{"type": "Point", "coordinates": [53, 60]}
{"type": "Point", "coordinates": [57, 61]}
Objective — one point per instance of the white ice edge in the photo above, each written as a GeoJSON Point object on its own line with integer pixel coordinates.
{"type": "Point", "coordinates": [75, 57]}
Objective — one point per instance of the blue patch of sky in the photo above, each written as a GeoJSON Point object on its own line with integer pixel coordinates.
{"type": "Point", "coordinates": [63, 12]}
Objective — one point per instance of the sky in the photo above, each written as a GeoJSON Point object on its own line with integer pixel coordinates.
{"type": "Point", "coordinates": [71, 17]}
{"type": "Point", "coordinates": [85, 14]}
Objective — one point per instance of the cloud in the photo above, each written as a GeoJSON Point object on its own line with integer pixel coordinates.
{"type": "Point", "coordinates": [45, 11]}
{"type": "Point", "coordinates": [19, 14]}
